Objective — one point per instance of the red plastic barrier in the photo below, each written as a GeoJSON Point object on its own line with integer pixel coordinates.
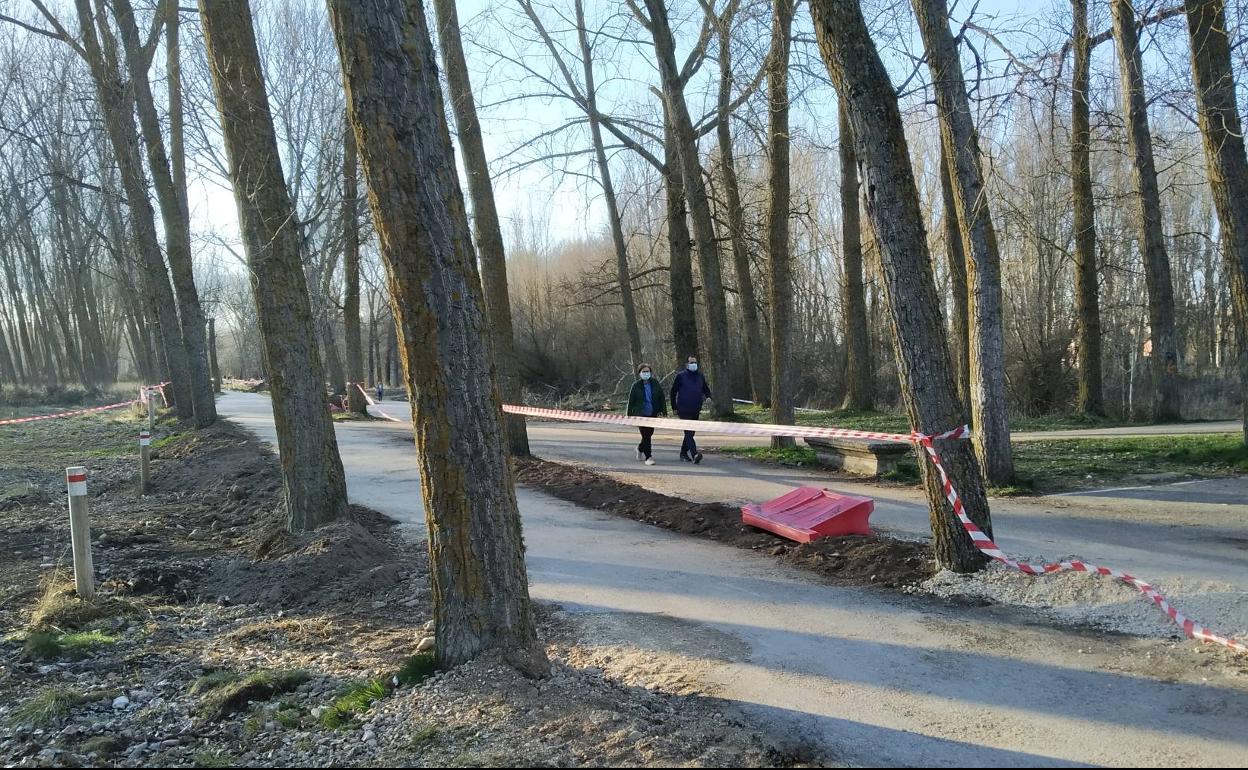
{"type": "Point", "coordinates": [810, 513]}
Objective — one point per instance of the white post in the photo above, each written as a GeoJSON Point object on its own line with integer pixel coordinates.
{"type": "Point", "coordinates": [145, 460]}
{"type": "Point", "coordinates": [80, 532]}
{"type": "Point", "coordinates": [151, 410]}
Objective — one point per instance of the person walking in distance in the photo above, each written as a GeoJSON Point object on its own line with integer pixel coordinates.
{"type": "Point", "coordinates": [689, 390]}
{"type": "Point", "coordinates": [646, 400]}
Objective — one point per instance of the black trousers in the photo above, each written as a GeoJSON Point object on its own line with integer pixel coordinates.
{"type": "Point", "coordinates": [644, 447]}
{"type": "Point", "coordinates": [689, 447]}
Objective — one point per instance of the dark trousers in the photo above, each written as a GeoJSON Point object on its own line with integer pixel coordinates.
{"type": "Point", "coordinates": [644, 446]}
{"type": "Point", "coordinates": [688, 447]}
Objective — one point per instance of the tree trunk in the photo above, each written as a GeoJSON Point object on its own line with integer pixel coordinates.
{"type": "Point", "coordinates": [987, 357]}
{"type": "Point", "coordinates": [480, 587]}
{"type": "Point", "coordinates": [1222, 130]}
{"type": "Point", "coordinates": [351, 273]}
{"type": "Point", "coordinates": [955, 258]}
{"type": "Point", "coordinates": [755, 353]}
{"type": "Point", "coordinates": [1091, 395]}
{"type": "Point", "coordinates": [117, 110]}
{"type": "Point", "coordinates": [316, 491]}
{"type": "Point", "coordinates": [488, 232]}
{"type": "Point", "coordinates": [680, 255]}
{"type": "Point", "coordinates": [779, 260]}
{"type": "Point", "coordinates": [1164, 362]}
{"type": "Point", "coordinates": [892, 208]}
{"type": "Point", "coordinates": [212, 355]}
{"type": "Point", "coordinates": [174, 214]}
{"type": "Point", "coordinates": [720, 370]}
{"type": "Point", "coordinates": [860, 384]}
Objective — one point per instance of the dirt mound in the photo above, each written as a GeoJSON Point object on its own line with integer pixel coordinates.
{"type": "Point", "coordinates": [853, 560]}
{"type": "Point", "coordinates": [340, 562]}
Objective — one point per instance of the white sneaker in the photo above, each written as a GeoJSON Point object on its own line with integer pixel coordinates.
{"type": "Point", "coordinates": [649, 461]}
{"type": "Point", "coordinates": [640, 456]}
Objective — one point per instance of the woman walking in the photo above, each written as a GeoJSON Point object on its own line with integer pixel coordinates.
{"type": "Point", "coordinates": [646, 400]}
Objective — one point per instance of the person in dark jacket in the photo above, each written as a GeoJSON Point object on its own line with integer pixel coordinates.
{"type": "Point", "coordinates": [646, 400]}
{"type": "Point", "coordinates": [689, 390]}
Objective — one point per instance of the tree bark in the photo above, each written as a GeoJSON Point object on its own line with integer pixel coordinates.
{"type": "Point", "coordinates": [1222, 131]}
{"type": "Point", "coordinates": [892, 207]}
{"type": "Point", "coordinates": [316, 491]}
{"type": "Point", "coordinates": [755, 353]}
{"type": "Point", "coordinates": [480, 587]}
{"type": "Point", "coordinates": [987, 357]}
{"type": "Point", "coordinates": [488, 232]}
{"type": "Point", "coordinates": [1091, 394]}
{"type": "Point", "coordinates": [212, 355]}
{"type": "Point", "coordinates": [117, 110]}
{"type": "Point", "coordinates": [1167, 402]}
{"type": "Point", "coordinates": [860, 384]}
{"type": "Point", "coordinates": [174, 215]}
{"type": "Point", "coordinates": [779, 260]}
{"type": "Point", "coordinates": [351, 272]}
{"type": "Point", "coordinates": [680, 254]}
{"type": "Point", "coordinates": [719, 351]}
{"type": "Point", "coordinates": [955, 258]}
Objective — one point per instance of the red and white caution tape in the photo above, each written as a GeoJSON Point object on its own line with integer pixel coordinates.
{"type": "Point", "coordinates": [985, 544]}
{"type": "Point", "coordinates": [373, 404]}
{"type": "Point", "coordinates": [75, 413]}
{"type": "Point", "coordinates": [732, 428]}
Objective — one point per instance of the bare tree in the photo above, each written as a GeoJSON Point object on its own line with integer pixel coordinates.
{"type": "Point", "coordinates": [489, 235]}
{"type": "Point", "coordinates": [1223, 134]}
{"type": "Point", "coordinates": [779, 259]}
{"type": "Point", "coordinates": [1091, 396]}
{"type": "Point", "coordinates": [987, 357]}
{"type": "Point", "coordinates": [480, 588]}
{"type": "Point", "coordinates": [859, 385]}
{"type": "Point", "coordinates": [1164, 363]}
{"type": "Point", "coordinates": [316, 491]}
{"type": "Point", "coordinates": [955, 259]}
{"type": "Point", "coordinates": [351, 269]}
{"type": "Point", "coordinates": [892, 207]}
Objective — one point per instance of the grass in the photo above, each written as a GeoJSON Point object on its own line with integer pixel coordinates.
{"type": "Point", "coordinates": [1046, 466]}
{"type": "Point", "coordinates": [213, 681]}
{"type": "Point", "coordinates": [222, 697]}
{"type": "Point", "coordinates": [100, 745]}
{"type": "Point", "coordinates": [354, 700]}
{"type": "Point", "coordinates": [49, 645]}
{"type": "Point", "coordinates": [60, 608]}
{"type": "Point", "coordinates": [799, 456]}
{"type": "Point", "coordinates": [47, 706]}
{"type": "Point", "coordinates": [416, 669]}
{"type": "Point", "coordinates": [1057, 465]}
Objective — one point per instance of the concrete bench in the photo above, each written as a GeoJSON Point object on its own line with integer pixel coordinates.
{"type": "Point", "coordinates": [862, 456]}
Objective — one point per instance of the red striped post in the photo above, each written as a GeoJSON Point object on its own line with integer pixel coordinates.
{"type": "Point", "coordinates": [145, 460]}
{"type": "Point", "coordinates": [80, 532]}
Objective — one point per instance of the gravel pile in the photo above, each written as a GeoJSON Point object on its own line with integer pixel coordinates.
{"type": "Point", "coordinates": [1083, 599]}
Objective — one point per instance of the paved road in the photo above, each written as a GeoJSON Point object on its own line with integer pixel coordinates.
{"type": "Point", "coordinates": [870, 677]}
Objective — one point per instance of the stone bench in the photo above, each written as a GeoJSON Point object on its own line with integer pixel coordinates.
{"type": "Point", "coordinates": [866, 457]}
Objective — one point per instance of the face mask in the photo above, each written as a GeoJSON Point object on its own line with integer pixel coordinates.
{"type": "Point", "coordinates": [693, 367]}
{"type": "Point", "coordinates": [645, 375]}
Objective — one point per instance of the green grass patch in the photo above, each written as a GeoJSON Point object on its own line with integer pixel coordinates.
{"type": "Point", "coordinates": [100, 745]}
{"type": "Point", "coordinates": [161, 443]}
{"type": "Point", "coordinates": [1053, 465]}
{"type": "Point", "coordinates": [800, 456]}
{"type": "Point", "coordinates": [226, 698]}
{"type": "Point", "coordinates": [51, 645]}
{"type": "Point", "coordinates": [213, 681]}
{"type": "Point", "coordinates": [47, 706]}
{"type": "Point", "coordinates": [354, 700]}
{"type": "Point", "coordinates": [905, 472]}
{"type": "Point", "coordinates": [416, 669]}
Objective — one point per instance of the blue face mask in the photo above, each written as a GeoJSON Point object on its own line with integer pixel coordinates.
{"type": "Point", "coordinates": [645, 375]}
{"type": "Point", "coordinates": [693, 367]}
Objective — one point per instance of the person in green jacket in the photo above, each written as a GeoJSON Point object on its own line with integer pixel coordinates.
{"type": "Point", "coordinates": [646, 400]}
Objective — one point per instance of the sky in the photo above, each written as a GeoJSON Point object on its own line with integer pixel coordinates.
{"type": "Point", "coordinates": [569, 206]}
